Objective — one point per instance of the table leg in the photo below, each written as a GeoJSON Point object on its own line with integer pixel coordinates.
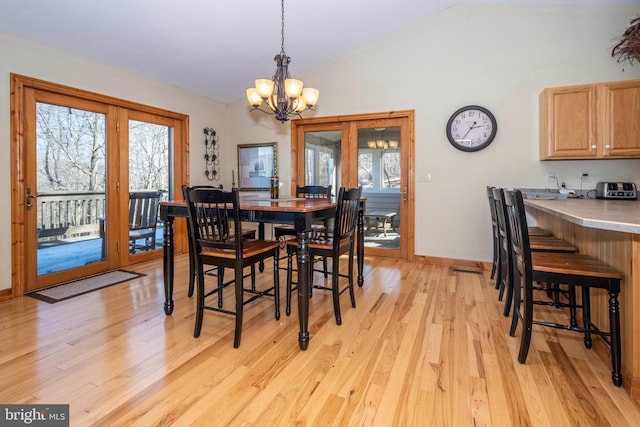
{"type": "Point", "coordinates": [360, 248]}
{"type": "Point", "coordinates": [303, 288]}
{"type": "Point", "coordinates": [167, 263]}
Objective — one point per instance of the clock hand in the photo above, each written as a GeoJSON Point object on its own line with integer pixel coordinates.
{"type": "Point", "coordinates": [473, 125]}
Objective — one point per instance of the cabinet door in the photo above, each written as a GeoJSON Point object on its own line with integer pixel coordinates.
{"type": "Point", "coordinates": [568, 123]}
{"type": "Point", "coordinates": [621, 123]}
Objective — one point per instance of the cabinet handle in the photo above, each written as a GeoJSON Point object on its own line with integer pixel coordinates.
{"type": "Point", "coordinates": [608, 147]}
{"type": "Point", "coordinates": [593, 147]}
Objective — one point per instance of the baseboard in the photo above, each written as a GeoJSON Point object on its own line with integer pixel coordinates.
{"type": "Point", "coordinates": [6, 294]}
{"type": "Point", "coordinates": [452, 262]}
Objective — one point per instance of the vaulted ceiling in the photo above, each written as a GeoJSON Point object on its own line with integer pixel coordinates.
{"type": "Point", "coordinates": [212, 47]}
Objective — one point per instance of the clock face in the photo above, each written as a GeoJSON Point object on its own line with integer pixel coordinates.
{"type": "Point", "coordinates": [471, 128]}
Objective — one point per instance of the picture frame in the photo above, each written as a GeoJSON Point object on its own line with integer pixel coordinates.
{"type": "Point", "coordinates": [257, 163]}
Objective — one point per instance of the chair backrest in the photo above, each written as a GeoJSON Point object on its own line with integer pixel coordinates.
{"type": "Point", "coordinates": [313, 191]}
{"type": "Point", "coordinates": [143, 209]}
{"type": "Point", "coordinates": [344, 226]}
{"type": "Point", "coordinates": [492, 207]}
{"type": "Point", "coordinates": [210, 212]}
{"type": "Point", "coordinates": [500, 214]}
{"type": "Point", "coordinates": [517, 229]}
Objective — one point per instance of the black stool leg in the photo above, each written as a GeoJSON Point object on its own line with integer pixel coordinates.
{"type": "Point", "coordinates": [586, 316]}
{"type": "Point", "coordinates": [527, 322]}
{"type": "Point", "coordinates": [616, 351]}
{"type": "Point", "coordinates": [572, 306]}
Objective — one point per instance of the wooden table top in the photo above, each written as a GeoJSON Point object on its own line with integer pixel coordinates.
{"type": "Point", "coordinates": [283, 204]}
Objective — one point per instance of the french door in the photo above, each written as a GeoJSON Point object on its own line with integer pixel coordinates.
{"type": "Point", "coordinates": [374, 151]}
{"type": "Point", "coordinates": [79, 155]}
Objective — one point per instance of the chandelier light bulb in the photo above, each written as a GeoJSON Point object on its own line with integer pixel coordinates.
{"type": "Point", "coordinates": [293, 88]}
{"type": "Point", "coordinates": [264, 87]}
{"type": "Point", "coordinates": [253, 97]}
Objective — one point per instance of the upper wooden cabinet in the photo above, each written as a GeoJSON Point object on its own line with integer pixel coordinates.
{"type": "Point", "coordinates": [593, 121]}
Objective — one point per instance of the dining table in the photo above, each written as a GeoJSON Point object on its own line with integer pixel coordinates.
{"type": "Point", "coordinates": [300, 212]}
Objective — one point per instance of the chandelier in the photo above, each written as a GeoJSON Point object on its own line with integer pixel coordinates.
{"type": "Point", "coordinates": [283, 96]}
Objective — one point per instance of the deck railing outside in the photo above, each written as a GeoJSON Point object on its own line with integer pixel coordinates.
{"type": "Point", "coordinates": [69, 215]}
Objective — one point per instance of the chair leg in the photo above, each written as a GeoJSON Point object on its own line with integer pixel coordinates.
{"type": "Point", "coordinates": [239, 288]}
{"type": "Point", "coordinates": [586, 316]}
{"type": "Point", "coordinates": [527, 322]}
{"type": "Point", "coordinates": [498, 266]}
{"type": "Point", "coordinates": [276, 283]}
{"type": "Point", "coordinates": [253, 277]}
{"type": "Point", "coordinates": [220, 275]}
{"type": "Point", "coordinates": [192, 274]}
{"type": "Point", "coordinates": [335, 290]}
{"type": "Point", "coordinates": [616, 351]}
{"type": "Point", "coordinates": [351, 293]}
{"type": "Point", "coordinates": [572, 305]}
{"type": "Point", "coordinates": [324, 267]}
{"type": "Point", "coordinates": [289, 274]}
{"type": "Point", "coordinates": [495, 255]}
{"type": "Point", "coordinates": [509, 285]}
{"type": "Point", "coordinates": [199, 304]}
{"type": "Point", "coordinates": [501, 280]}
{"type": "Point", "coordinates": [516, 283]}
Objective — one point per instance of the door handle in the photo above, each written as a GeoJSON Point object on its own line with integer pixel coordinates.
{"type": "Point", "coordinates": [29, 197]}
{"type": "Point", "coordinates": [405, 194]}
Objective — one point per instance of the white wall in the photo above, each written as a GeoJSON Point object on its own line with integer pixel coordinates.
{"type": "Point", "coordinates": [33, 60]}
{"type": "Point", "coordinates": [499, 56]}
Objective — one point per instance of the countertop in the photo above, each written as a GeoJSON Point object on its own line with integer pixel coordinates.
{"type": "Point", "coordinates": [615, 215]}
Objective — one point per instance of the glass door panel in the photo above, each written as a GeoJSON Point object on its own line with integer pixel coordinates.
{"type": "Point", "coordinates": [379, 174]}
{"type": "Point", "coordinates": [150, 153]}
{"type": "Point", "coordinates": [70, 193]}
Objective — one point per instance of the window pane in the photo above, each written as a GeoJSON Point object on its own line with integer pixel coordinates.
{"type": "Point", "coordinates": [365, 169]}
{"type": "Point", "coordinates": [391, 169]}
{"type": "Point", "coordinates": [322, 158]}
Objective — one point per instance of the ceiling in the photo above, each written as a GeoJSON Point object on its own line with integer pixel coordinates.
{"type": "Point", "coordinates": [216, 48]}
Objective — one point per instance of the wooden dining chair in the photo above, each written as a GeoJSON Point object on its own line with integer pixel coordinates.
{"type": "Point", "coordinates": [571, 269]}
{"type": "Point", "coordinates": [287, 230]}
{"type": "Point", "coordinates": [215, 243]}
{"type": "Point", "coordinates": [332, 245]}
{"type": "Point", "coordinates": [248, 234]}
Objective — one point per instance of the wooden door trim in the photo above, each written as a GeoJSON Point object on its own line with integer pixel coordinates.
{"type": "Point", "coordinates": [19, 85]}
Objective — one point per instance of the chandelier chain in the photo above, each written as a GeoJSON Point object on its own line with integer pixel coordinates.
{"type": "Point", "coordinates": [282, 28]}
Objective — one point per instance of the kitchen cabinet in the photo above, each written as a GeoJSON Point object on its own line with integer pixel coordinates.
{"type": "Point", "coordinates": [591, 121]}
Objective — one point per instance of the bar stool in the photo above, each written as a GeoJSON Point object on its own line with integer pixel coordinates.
{"type": "Point", "coordinates": [572, 269]}
{"type": "Point", "coordinates": [538, 243]}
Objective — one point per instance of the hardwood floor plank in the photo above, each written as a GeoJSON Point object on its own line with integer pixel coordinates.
{"type": "Point", "coordinates": [426, 344]}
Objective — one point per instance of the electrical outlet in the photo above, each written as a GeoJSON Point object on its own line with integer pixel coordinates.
{"type": "Point", "coordinates": [584, 176]}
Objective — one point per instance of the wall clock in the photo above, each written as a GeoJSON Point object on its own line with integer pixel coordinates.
{"type": "Point", "coordinates": [471, 128]}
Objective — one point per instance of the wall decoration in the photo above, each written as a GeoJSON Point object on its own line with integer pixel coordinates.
{"type": "Point", "coordinates": [211, 156]}
{"type": "Point", "coordinates": [257, 163]}
{"type": "Point", "coordinates": [628, 48]}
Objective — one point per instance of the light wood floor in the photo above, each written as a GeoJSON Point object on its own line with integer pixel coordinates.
{"type": "Point", "coordinates": [426, 345]}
